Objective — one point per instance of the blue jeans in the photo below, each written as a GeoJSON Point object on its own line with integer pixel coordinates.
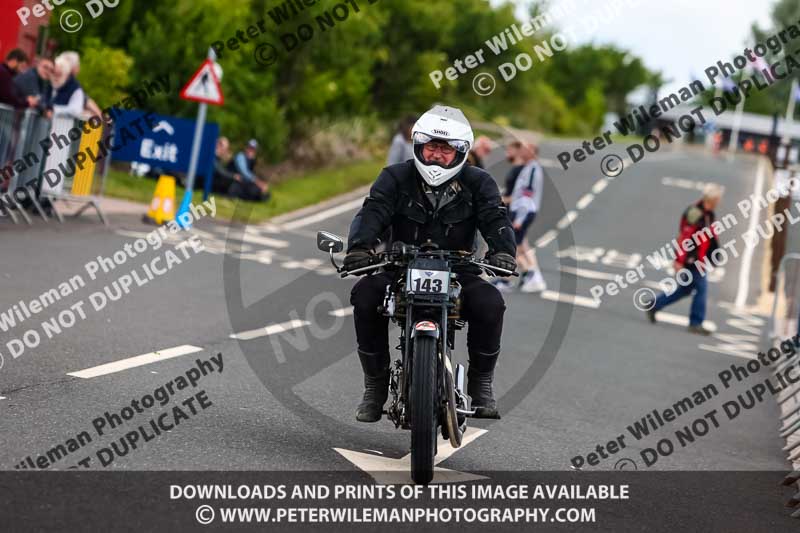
{"type": "Point", "coordinates": [699, 285]}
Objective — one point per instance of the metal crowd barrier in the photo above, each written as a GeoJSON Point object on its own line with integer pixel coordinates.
{"type": "Point", "coordinates": [784, 324]}
{"type": "Point", "coordinates": [24, 164]}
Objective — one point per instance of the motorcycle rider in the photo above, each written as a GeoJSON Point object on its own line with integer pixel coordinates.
{"type": "Point", "coordinates": [432, 197]}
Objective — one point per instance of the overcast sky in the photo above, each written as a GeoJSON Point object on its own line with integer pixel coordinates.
{"type": "Point", "coordinates": [674, 36]}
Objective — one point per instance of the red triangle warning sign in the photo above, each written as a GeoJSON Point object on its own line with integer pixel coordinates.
{"type": "Point", "coordinates": [204, 86]}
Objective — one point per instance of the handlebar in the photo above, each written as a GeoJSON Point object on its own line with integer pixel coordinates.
{"type": "Point", "coordinates": [399, 257]}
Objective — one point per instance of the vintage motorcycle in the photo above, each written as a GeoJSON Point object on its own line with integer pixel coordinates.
{"type": "Point", "coordinates": [424, 300]}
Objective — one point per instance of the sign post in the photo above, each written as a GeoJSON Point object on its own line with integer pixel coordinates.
{"type": "Point", "coordinates": [203, 87]}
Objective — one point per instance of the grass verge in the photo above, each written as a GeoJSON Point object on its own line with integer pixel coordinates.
{"type": "Point", "coordinates": [293, 192]}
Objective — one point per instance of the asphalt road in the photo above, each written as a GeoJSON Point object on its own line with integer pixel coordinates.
{"type": "Point", "coordinates": [578, 375]}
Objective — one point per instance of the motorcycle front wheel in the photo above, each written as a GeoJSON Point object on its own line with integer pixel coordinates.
{"type": "Point", "coordinates": [423, 409]}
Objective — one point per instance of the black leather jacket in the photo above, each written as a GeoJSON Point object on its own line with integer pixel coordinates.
{"type": "Point", "coordinates": [397, 201]}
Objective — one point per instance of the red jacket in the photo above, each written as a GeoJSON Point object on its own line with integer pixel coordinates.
{"type": "Point", "coordinates": [704, 241]}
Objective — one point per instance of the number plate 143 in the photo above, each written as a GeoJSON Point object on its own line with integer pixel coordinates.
{"type": "Point", "coordinates": [428, 281]}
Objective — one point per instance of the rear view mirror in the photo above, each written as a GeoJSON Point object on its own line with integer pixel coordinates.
{"type": "Point", "coordinates": [329, 242]}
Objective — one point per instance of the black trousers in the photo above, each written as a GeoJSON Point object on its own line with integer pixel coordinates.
{"type": "Point", "coordinates": [247, 190]}
{"type": "Point", "coordinates": [482, 306]}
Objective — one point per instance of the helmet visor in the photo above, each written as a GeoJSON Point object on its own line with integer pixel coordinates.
{"type": "Point", "coordinates": [459, 146]}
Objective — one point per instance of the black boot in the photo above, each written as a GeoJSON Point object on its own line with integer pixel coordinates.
{"type": "Point", "coordinates": [479, 384]}
{"type": "Point", "coordinates": [376, 385]}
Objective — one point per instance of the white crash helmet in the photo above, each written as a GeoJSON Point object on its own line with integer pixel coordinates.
{"type": "Point", "coordinates": [447, 124]}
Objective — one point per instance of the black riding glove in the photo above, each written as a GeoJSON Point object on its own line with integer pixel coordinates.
{"type": "Point", "coordinates": [503, 260]}
{"type": "Point", "coordinates": [356, 259]}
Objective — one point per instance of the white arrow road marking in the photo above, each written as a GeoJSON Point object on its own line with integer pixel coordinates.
{"type": "Point", "coordinates": [734, 344]}
{"type": "Point", "coordinates": [252, 238]}
{"type": "Point", "coordinates": [344, 311]}
{"type": "Point", "coordinates": [132, 362]}
{"type": "Point", "coordinates": [272, 329]}
{"type": "Point", "coordinates": [387, 471]}
{"type": "Point", "coordinates": [594, 274]}
{"type": "Point", "coordinates": [323, 215]}
{"type": "Point", "coordinates": [570, 299]}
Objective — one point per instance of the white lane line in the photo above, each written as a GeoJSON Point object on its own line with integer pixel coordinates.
{"type": "Point", "coordinates": [568, 219]}
{"type": "Point", "coordinates": [546, 239]}
{"type": "Point", "coordinates": [253, 238]}
{"type": "Point", "coordinates": [134, 234]}
{"type": "Point", "coordinates": [683, 183]}
{"type": "Point", "coordinates": [570, 299]}
{"type": "Point", "coordinates": [681, 320]}
{"type": "Point", "coordinates": [344, 311]}
{"type": "Point", "coordinates": [585, 201]}
{"type": "Point", "coordinates": [132, 362]}
{"type": "Point", "coordinates": [601, 184]}
{"type": "Point", "coordinates": [265, 227]}
{"type": "Point", "coordinates": [322, 215]}
{"type": "Point", "coordinates": [750, 246]}
{"type": "Point", "coordinates": [269, 330]}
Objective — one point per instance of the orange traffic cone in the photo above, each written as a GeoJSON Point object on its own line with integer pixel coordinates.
{"type": "Point", "coordinates": [162, 207]}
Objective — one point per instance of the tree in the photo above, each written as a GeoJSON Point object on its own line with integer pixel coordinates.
{"type": "Point", "coordinates": [105, 72]}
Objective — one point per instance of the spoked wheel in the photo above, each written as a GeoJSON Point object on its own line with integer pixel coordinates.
{"type": "Point", "coordinates": [453, 429]}
{"type": "Point", "coordinates": [423, 409]}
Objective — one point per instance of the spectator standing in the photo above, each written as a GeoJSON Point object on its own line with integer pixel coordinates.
{"type": "Point", "coordinates": [69, 97]}
{"type": "Point", "coordinates": [523, 195]}
{"type": "Point", "coordinates": [482, 148]}
{"type": "Point", "coordinates": [36, 82]}
{"type": "Point", "coordinates": [16, 60]}
{"type": "Point", "coordinates": [696, 227]}
{"type": "Point", "coordinates": [402, 149]}
{"type": "Point", "coordinates": [248, 186]}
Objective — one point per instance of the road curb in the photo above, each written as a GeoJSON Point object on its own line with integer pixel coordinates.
{"type": "Point", "coordinates": [325, 204]}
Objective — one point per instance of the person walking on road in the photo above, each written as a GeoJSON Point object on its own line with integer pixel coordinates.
{"type": "Point", "coordinates": [695, 229]}
{"type": "Point", "coordinates": [524, 187]}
